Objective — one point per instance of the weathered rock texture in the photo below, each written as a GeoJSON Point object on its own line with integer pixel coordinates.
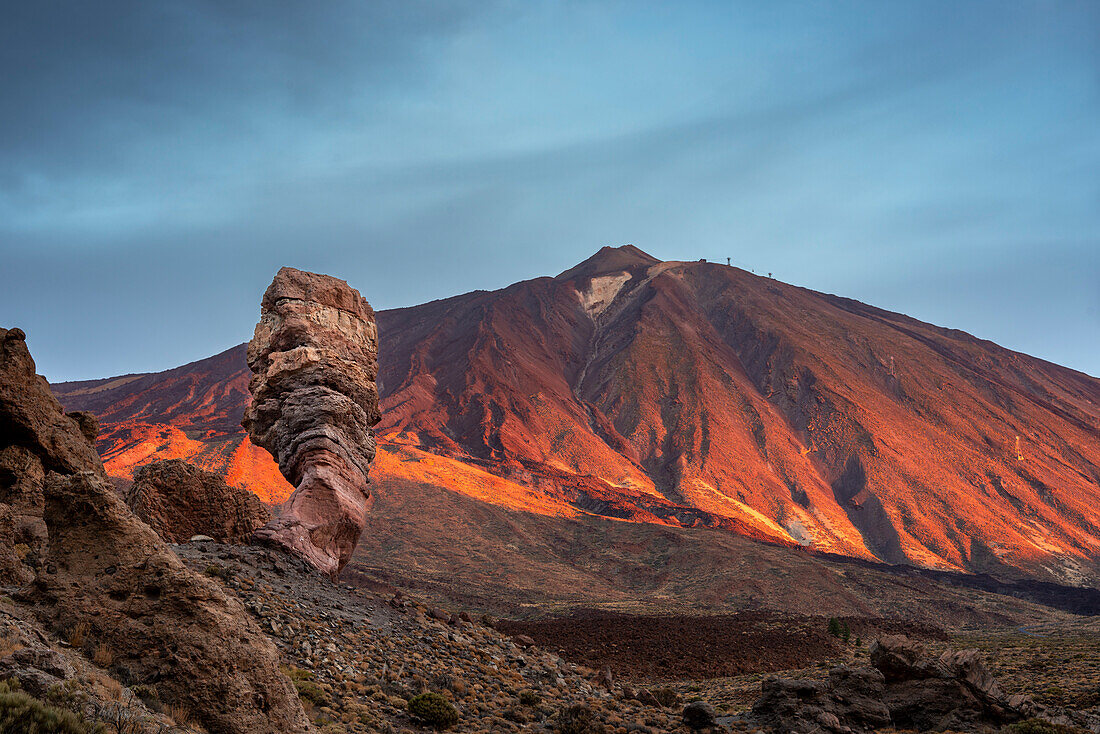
{"type": "Point", "coordinates": [314, 400]}
{"type": "Point", "coordinates": [905, 689]}
{"type": "Point", "coordinates": [36, 437]}
{"type": "Point", "coordinates": [179, 500]}
{"type": "Point", "coordinates": [97, 566]}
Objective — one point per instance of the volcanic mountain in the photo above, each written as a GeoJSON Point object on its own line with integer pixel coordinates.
{"type": "Point", "coordinates": [692, 394]}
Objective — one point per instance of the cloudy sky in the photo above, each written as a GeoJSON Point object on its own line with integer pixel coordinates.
{"type": "Point", "coordinates": [159, 161]}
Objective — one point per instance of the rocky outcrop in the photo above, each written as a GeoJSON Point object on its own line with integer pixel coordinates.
{"type": "Point", "coordinates": [99, 569]}
{"type": "Point", "coordinates": [179, 501]}
{"type": "Point", "coordinates": [850, 700]}
{"type": "Point", "coordinates": [161, 623]}
{"type": "Point", "coordinates": [314, 363]}
{"type": "Point", "coordinates": [905, 689]}
{"type": "Point", "coordinates": [36, 437]}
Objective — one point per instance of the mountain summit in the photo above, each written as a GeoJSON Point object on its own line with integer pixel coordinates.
{"type": "Point", "coordinates": [695, 394]}
{"type": "Point", "coordinates": [627, 258]}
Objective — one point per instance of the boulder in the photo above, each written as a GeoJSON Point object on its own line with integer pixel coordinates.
{"type": "Point", "coordinates": [179, 501]}
{"type": "Point", "coordinates": [30, 660]}
{"type": "Point", "coordinates": [101, 568]}
{"type": "Point", "coordinates": [700, 715]}
{"type": "Point", "coordinates": [804, 706]}
{"type": "Point", "coordinates": [856, 697]}
{"type": "Point", "coordinates": [899, 658]}
{"type": "Point", "coordinates": [87, 423]}
{"type": "Point", "coordinates": [22, 531]}
{"type": "Point", "coordinates": [314, 400]}
{"type": "Point", "coordinates": [30, 417]}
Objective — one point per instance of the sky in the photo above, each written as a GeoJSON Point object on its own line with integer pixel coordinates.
{"type": "Point", "coordinates": [160, 161]}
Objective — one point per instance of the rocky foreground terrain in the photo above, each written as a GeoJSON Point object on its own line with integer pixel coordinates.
{"type": "Point", "coordinates": [359, 659]}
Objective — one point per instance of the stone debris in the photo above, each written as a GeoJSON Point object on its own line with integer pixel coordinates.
{"type": "Point", "coordinates": [358, 657]}
{"type": "Point", "coordinates": [907, 689]}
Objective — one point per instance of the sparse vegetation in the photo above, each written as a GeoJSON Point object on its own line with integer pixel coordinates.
{"type": "Point", "coordinates": [23, 714]}
{"type": "Point", "coordinates": [123, 716]}
{"type": "Point", "coordinates": [179, 714]}
{"type": "Point", "coordinates": [666, 697]}
{"type": "Point", "coordinates": [434, 709]}
{"type": "Point", "coordinates": [309, 690]}
{"type": "Point", "coordinates": [578, 719]}
{"type": "Point", "coordinates": [1038, 726]}
{"type": "Point", "coordinates": [8, 645]}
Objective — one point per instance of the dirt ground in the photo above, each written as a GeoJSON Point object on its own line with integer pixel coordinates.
{"type": "Point", "coordinates": [666, 648]}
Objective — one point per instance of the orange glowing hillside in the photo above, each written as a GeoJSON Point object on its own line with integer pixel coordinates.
{"type": "Point", "coordinates": [694, 394]}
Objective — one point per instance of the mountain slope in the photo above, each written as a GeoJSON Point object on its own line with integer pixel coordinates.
{"type": "Point", "coordinates": [695, 394]}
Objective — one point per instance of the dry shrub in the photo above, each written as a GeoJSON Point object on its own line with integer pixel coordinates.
{"type": "Point", "coordinates": [8, 645]}
{"type": "Point", "coordinates": [78, 635]}
{"type": "Point", "coordinates": [179, 714]}
{"type": "Point", "coordinates": [103, 656]}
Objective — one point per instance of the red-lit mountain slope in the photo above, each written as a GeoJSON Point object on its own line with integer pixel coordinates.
{"type": "Point", "coordinates": [695, 394]}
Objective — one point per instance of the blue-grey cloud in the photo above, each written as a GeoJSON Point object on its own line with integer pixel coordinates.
{"type": "Point", "coordinates": [158, 161]}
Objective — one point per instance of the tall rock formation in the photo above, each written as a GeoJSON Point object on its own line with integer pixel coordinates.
{"type": "Point", "coordinates": [314, 361]}
{"type": "Point", "coordinates": [96, 566]}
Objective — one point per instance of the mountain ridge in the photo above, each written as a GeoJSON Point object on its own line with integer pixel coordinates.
{"type": "Point", "coordinates": [694, 393]}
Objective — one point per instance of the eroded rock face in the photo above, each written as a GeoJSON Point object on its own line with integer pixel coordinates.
{"type": "Point", "coordinates": [164, 623]}
{"type": "Point", "coordinates": [97, 565]}
{"type": "Point", "coordinates": [179, 500]}
{"type": "Point", "coordinates": [314, 400]}
{"type": "Point", "coordinates": [36, 437]}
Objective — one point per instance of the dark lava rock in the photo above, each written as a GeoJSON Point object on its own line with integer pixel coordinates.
{"type": "Point", "coordinates": [699, 715]}
{"type": "Point", "coordinates": [907, 689]}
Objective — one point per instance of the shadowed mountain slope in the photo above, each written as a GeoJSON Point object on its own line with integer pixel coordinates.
{"type": "Point", "coordinates": [694, 394]}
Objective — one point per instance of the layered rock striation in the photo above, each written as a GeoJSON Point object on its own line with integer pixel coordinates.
{"type": "Point", "coordinates": [179, 501]}
{"type": "Point", "coordinates": [314, 362]}
{"type": "Point", "coordinates": [96, 568]}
